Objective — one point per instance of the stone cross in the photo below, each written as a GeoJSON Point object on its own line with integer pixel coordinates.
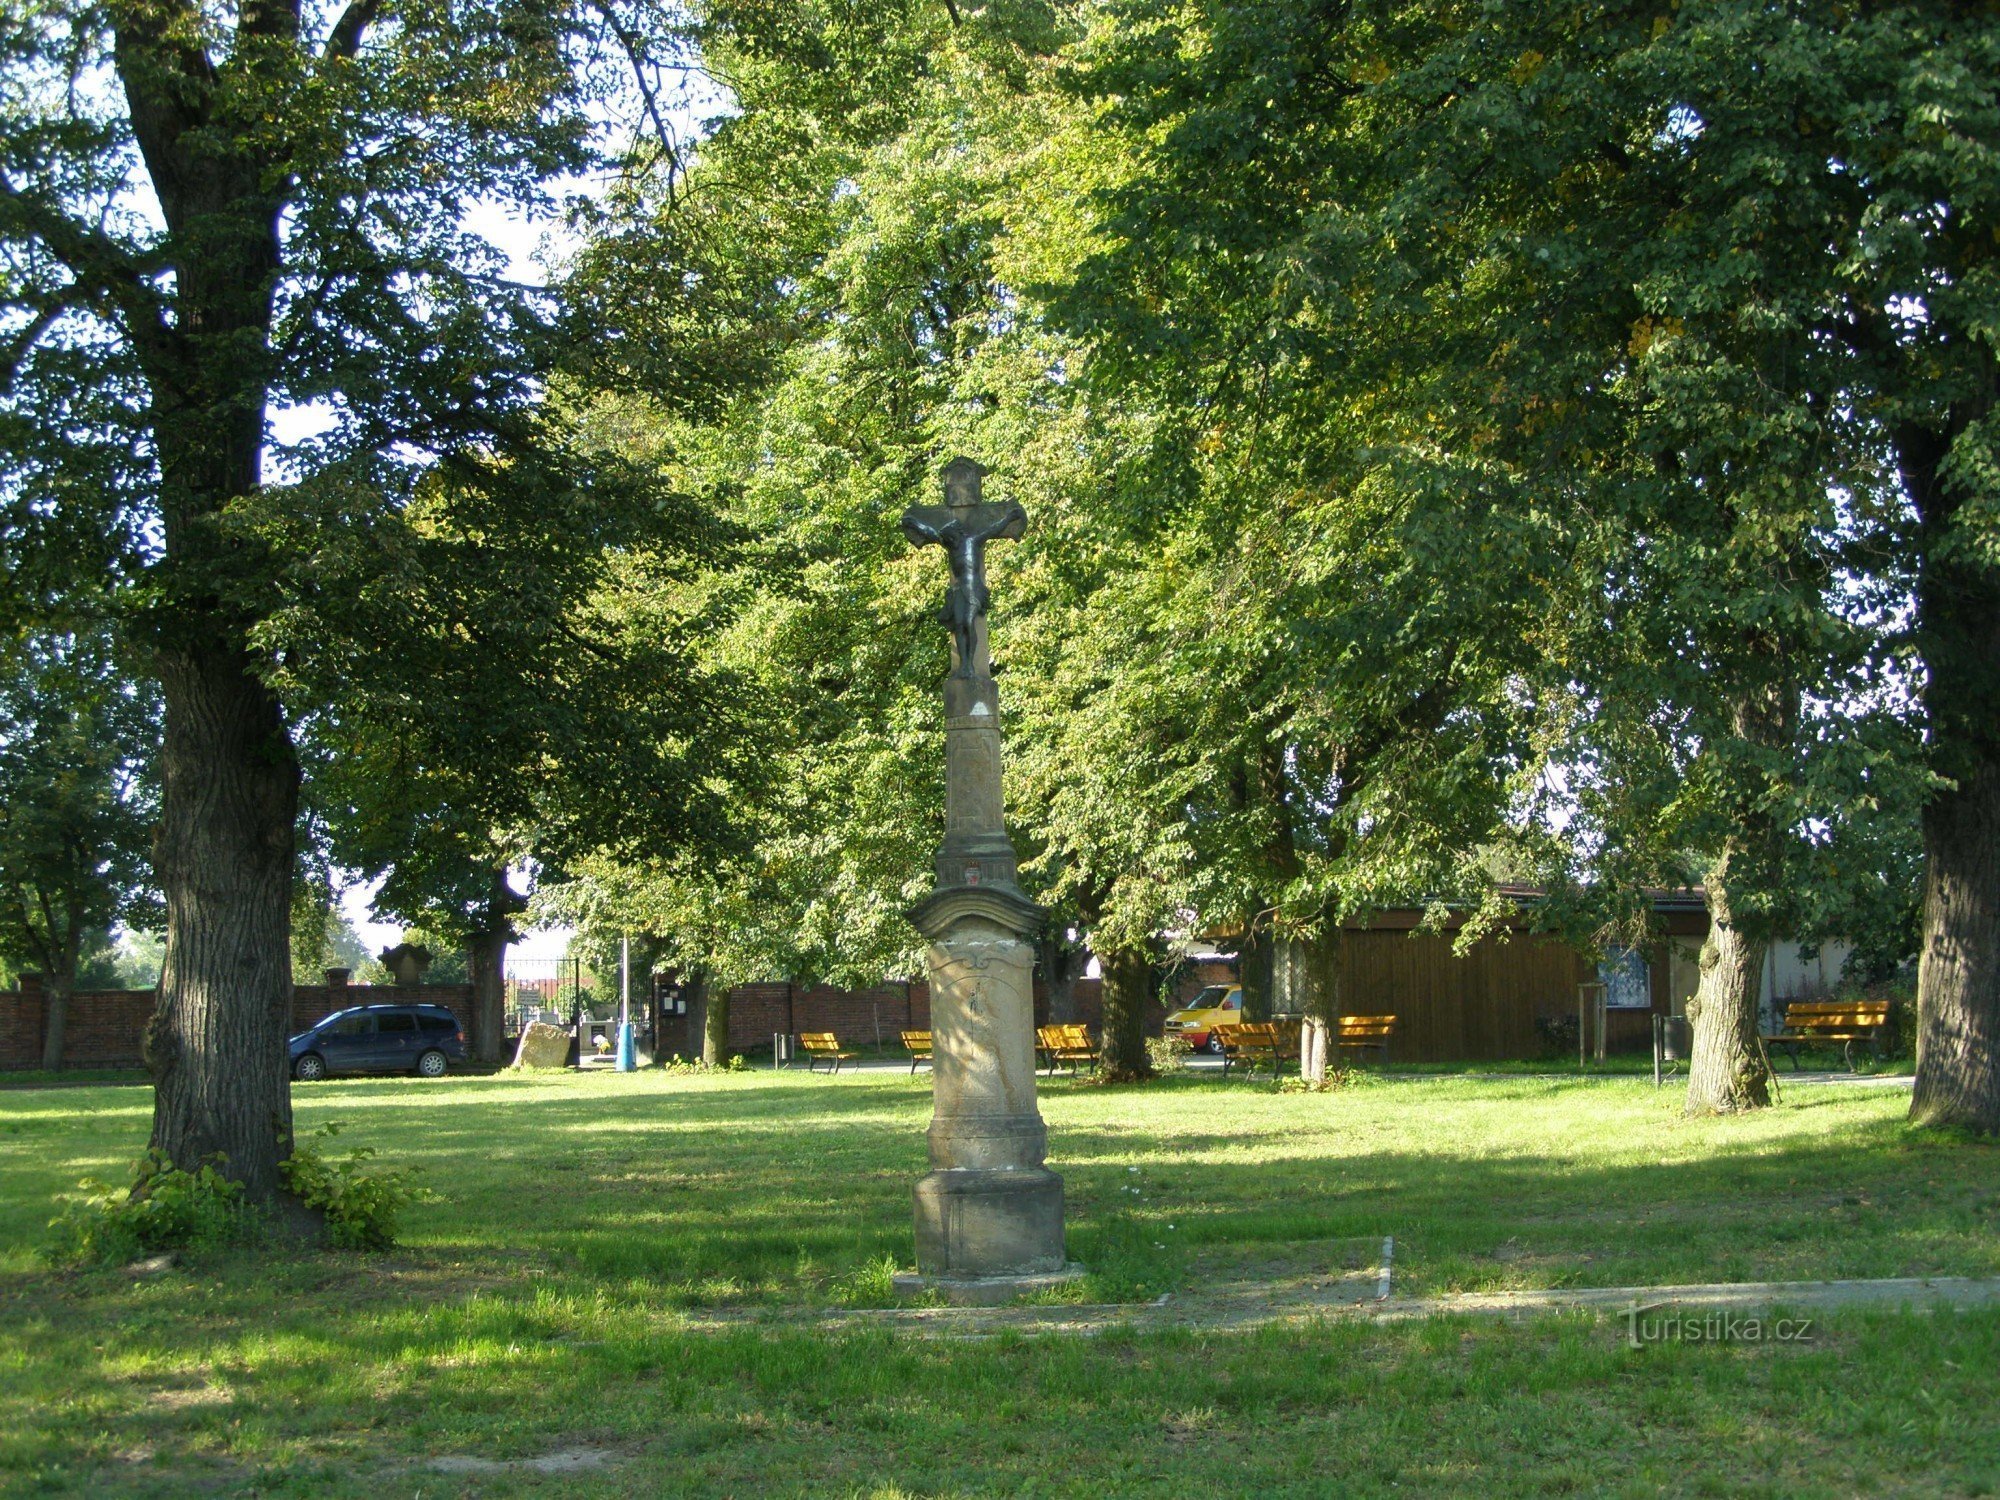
{"type": "Point", "coordinates": [990, 1213]}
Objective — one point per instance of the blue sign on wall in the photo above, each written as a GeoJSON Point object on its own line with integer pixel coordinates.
{"type": "Point", "coordinates": [1627, 980]}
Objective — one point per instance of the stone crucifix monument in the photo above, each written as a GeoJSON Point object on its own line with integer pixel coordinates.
{"type": "Point", "coordinates": [989, 1214]}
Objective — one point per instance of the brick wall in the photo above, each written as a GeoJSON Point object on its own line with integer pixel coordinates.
{"type": "Point", "coordinates": [107, 1028]}
{"type": "Point", "coordinates": [311, 1002]}
{"type": "Point", "coordinates": [20, 1029]}
{"type": "Point", "coordinates": [757, 1012]}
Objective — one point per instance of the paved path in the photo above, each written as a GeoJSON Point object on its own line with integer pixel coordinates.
{"type": "Point", "coordinates": [1354, 1297]}
{"type": "Point", "coordinates": [1212, 1067]}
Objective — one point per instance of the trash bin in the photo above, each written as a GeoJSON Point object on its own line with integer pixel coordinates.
{"type": "Point", "coordinates": [1676, 1038]}
{"type": "Point", "coordinates": [1673, 1040]}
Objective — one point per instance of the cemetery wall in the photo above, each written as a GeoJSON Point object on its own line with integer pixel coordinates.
{"type": "Point", "coordinates": [757, 1012]}
{"type": "Point", "coordinates": [1502, 999]}
{"type": "Point", "coordinates": [107, 1028]}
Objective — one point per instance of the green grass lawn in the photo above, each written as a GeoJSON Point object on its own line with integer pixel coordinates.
{"type": "Point", "coordinates": [540, 1304]}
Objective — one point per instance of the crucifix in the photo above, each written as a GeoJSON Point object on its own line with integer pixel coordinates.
{"type": "Point", "coordinates": [989, 1215]}
{"type": "Point", "coordinates": [963, 526]}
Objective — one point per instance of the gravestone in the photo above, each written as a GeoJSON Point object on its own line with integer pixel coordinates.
{"type": "Point", "coordinates": [989, 1215]}
{"type": "Point", "coordinates": [543, 1046]}
{"type": "Point", "coordinates": [406, 962]}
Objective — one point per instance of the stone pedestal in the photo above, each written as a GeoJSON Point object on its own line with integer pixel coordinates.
{"type": "Point", "coordinates": [989, 1207]}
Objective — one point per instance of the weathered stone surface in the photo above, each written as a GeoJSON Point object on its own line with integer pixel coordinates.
{"type": "Point", "coordinates": [984, 1291]}
{"type": "Point", "coordinates": [543, 1046]}
{"type": "Point", "coordinates": [990, 1222]}
{"type": "Point", "coordinates": [983, 1057]}
{"type": "Point", "coordinates": [990, 1209]}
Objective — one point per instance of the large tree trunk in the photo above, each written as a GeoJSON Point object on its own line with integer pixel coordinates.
{"type": "Point", "coordinates": [1061, 961]}
{"type": "Point", "coordinates": [1726, 1067]}
{"type": "Point", "coordinates": [1253, 971]}
{"type": "Point", "coordinates": [56, 989]}
{"type": "Point", "coordinates": [1127, 987]}
{"type": "Point", "coordinates": [64, 952]}
{"type": "Point", "coordinates": [229, 774]}
{"type": "Point", "coordinates": [486, 961]}
{"type": "Point", "coordinates": [1958, 631]}
{"type": "Point", "coordinates": [1958, 976]}
{"type": "Point", "coordinates": [223, 854]}
{"type": "Point", "coordinates": [486, 967]}
{"type": "Point", "coordinates": [714, 1020]}
{"type": "Point", "coordinates": [1319, 1032]}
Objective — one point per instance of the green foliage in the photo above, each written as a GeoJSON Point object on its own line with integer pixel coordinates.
{"type": "Point", "coordinates": [361, 1207]}
{"type": "Point", "coordinates": [737, 1063]}
{"type": "Point", "coordinates": [165, 1209]}
{"type": "Point", "coordinates": [168, 1209]}
{"type": "Point", "coordinates": [1168, 1054]}
{"type": "Point", "coordinates": [323, 937]}
{"type": "Point", "coordinates": [258, 209]}
{"type": "Point", "coordinates": [1338, 1076]}
{"type": "Point", "coordinates": [77, 799]}
{"type": "Point", "coordinates": [1577, 346]}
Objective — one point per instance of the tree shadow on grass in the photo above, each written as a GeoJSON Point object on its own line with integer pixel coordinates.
{"type": "Point", "coordinates": [776, 1193]}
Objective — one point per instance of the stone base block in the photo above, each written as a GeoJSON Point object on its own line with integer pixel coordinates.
{"type": "Point", "coordinates": [984, 1291]}
{"type": "Point", "coordinates": [975, 1223]}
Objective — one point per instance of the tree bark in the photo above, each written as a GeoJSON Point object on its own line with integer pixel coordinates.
{"type": "Point", "coordinates": [486, 966]}
{"type": "Point", "coordinates": [1128, 986]}
{"type": "Point", "coordinates": [711, 1003]}
{"type": "Point", "coordinates": [56, 991]}
{"type": "Point", "coordinates": [1958, 976]}
{"type": "Point", "coordinates": [1253, 971]}
{"type": "Point", "coordinates": [1958, 632]}
{"type": "Point", "coordinates": [223, 854]}
{"type": "Point", "coordinates": [486, 959]}
{"type": "Point", "coordinates": [1325, 995]}
{"type": "Point", "coordinates": [1061, 962]}
{"type": "Point", "coordinates": [1726, 1068]}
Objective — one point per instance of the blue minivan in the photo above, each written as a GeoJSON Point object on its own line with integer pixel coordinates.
{"type": "Point", "coordinates": [421, 1039]}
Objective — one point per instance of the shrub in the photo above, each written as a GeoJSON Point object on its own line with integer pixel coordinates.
{"type": "Point", "coordinates": [1339, 1076]}
{"type": "Point", "coordinates": [165, 1209]}
{"type": "Point", "coordinates": [1168, 1054]}
{"type": "Point", "coordinates": [737, 1063]}
{"type": "Point", "coordinates": [1557, 1035]}
{"type": "Point", "coordinates": [360, 1206]}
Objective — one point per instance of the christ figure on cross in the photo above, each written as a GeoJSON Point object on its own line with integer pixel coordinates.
{"type": "Point", "coordinates": [963, 526]}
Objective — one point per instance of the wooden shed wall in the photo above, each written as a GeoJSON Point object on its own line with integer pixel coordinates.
{"type": "Point", "coordinates": [1481, 1007]}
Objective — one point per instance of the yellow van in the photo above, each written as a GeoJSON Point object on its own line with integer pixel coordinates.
{"type": "Point", "coordinates": [1219, 1004]}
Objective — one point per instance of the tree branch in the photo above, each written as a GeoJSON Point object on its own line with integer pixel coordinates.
{"type": "Point", "coordinates": [24, 343]}
{"type": "Point", "coordinates": [634, 47]}
{"type": "Point", "coordinates": [344, 41]}
{"type": "Point", "coordinates": [100, 265]}
{"type": "Point", "coordinates": [268, 18]}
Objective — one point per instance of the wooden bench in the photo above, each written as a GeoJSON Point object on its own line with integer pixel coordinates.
{"type": "Point", "coordinates": [823, 1046]}
{"type": "Point", "coordinates": [1361, 1033]}
{"type": "Point", "coordinates": [1240, 1042]}
{"type": "Point", "coordinates": [1252, 1042]}
{"type": "Point", "coordinates": [1065, 1045]}
{"type": "Point", "coordinates": [918, 1045]}
{"type": "Point", "coordinates": [1812, 1022]}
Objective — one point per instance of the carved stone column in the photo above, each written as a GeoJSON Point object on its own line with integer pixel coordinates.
{"type": "Point", "coordinates": [989, 1215]}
